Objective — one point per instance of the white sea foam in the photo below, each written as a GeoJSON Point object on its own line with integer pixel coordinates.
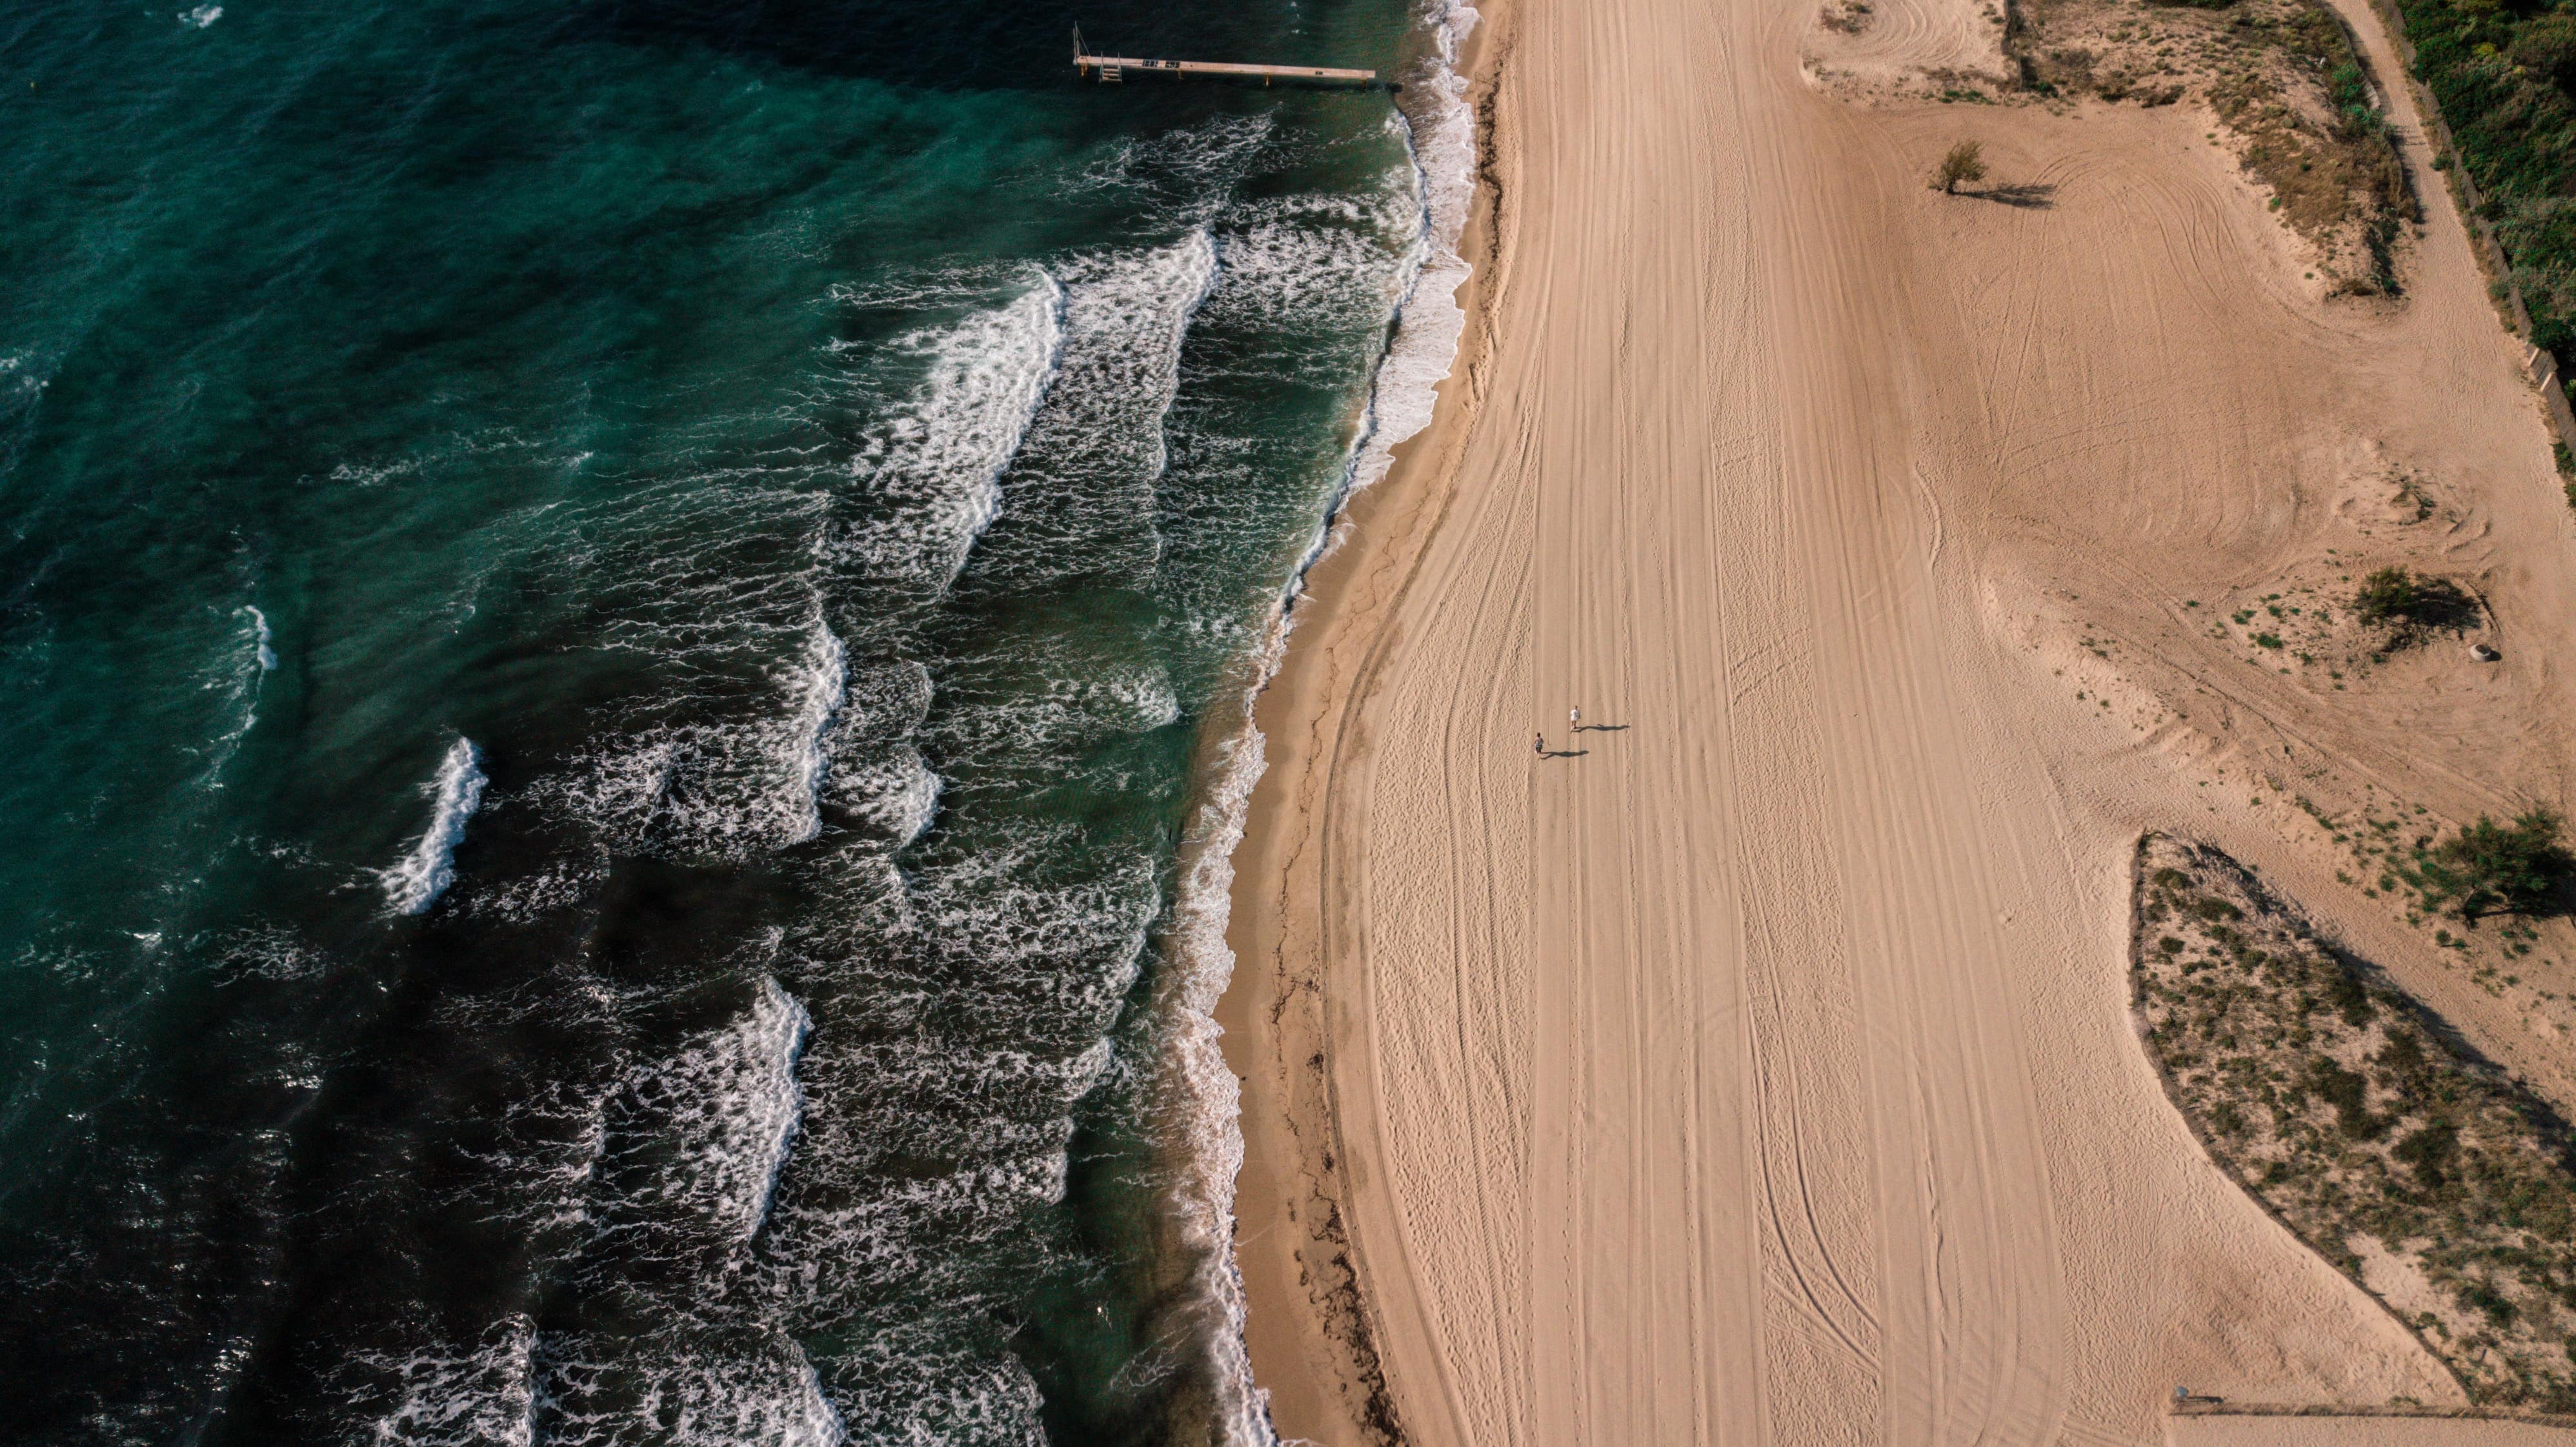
{"type": "Point", "coordinates": [990, 998]}
{"type": "Point", "coordinates": [562, 882]}
{"type": "Point", "coordinates": [1205, 1093]}
{"type": "Point", "coordinates": [1442, 140]}
{"type": "Point", "coordinates": [269, 952]}
{"type": "Point", "coordinates": [266, 655]}
{"type": "Point", "coordinates": [1087, 467]}
{"type": "Point", "coordinates": [983, 908]}
{"type": "Point", "coordinates": [1319, 262]}
{"type": "Point", "coordinates": [542, 1165]}
{"type": "Point", "coordinates": [818, 691]}
{"type": "Point", "coordinates": [894, 795]}
{"type": "Point", "coordinates": [236, 676]}
{"type": "Point", "coordinates": [678, 1392]}
{"type": "Point", "coordinates": [1182, 176]}
{"type": "Point", "coordinates": [908, 1387]}
{"type": "Point", "coordinates": [937, 467]}
{"type": "Point", "coordinates": [748, 775]}
{"type": "Point", "coordinates": [1065, 712]}
{"type": "Point", "coordinates": [615, 789]}
{"type": "Point", "coordinates": [454, 1396]}
{"type": "Point", "coordinates": [930, 1060]}
{"type": "Point", "coordinates": [414, 884]}
{"type": "Point", "coordinates": [201, 17]}
{"type": "Point", "coordinates": [1206, 1097]}
{"type": "Point", "coordinates": [887, 700]}
{"type": "Point", "coordinates": [707, 1130]}
{"type": "Point", "coordinates": [869, 1241]}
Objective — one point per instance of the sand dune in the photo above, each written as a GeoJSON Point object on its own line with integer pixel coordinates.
{"type": "Point", "coordinates": [1757, 1067]}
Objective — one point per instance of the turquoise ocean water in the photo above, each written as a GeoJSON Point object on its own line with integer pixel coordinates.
{"type": "Point", "coordinates": [622, 666]}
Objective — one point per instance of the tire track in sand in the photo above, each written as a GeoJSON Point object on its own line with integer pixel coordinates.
{"type": "Point", "coordinates": [1762, 1073]}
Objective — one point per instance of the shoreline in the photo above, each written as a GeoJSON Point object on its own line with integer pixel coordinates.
{"type": "Point", "coordinates": [1308, 1329]}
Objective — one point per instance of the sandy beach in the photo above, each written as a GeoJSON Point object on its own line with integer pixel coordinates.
{"type": "Point", "coordinates": [1756, 1064]}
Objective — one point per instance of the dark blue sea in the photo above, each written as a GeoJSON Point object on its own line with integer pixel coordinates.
{"type": "Point", "coordinates": [625, 635]}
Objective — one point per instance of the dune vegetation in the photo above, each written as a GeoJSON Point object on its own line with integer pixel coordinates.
{"type": "Point", "coordinates": [2505, 77]}
{"type": "Point", "coordinates": [2351, 1113]}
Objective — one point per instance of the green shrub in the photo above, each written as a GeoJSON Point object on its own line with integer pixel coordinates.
{"type": "Point", "coordinates": [2484, 1296]}
{"type": "Point", "coordinates": [2394, 595]}
{"type": "Point", "coordinates": [2546, 47]}
{"type": "Point", "coordinates": [2504, 76]}
{"type": "Point", "coordinates": [2489, 866]}
{"type": "Point", "coordinates": [2348, 1091]}
{"type": "Point", "coordinates": [2428, 1152]}
{"type": "Point", "coordinates": [1961, 164]}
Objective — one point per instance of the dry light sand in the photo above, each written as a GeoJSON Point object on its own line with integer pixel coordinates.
{"type": "Point", "coordinates": [1762, 1071]}
{"type": "Point", "coordinates": [2356, 1432]}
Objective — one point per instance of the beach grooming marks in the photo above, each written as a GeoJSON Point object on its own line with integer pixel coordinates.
{"type": "Point", "coordinates": [1113, 69]}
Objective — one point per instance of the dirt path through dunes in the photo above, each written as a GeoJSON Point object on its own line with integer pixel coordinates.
{"type": "Point", "coordinates": [1756, 1067]}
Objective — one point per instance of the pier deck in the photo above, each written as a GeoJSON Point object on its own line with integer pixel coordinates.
{"type": "Point", "coordinates": [1114, 68]}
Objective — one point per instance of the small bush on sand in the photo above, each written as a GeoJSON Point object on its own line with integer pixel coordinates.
{"type": "Point", "coordinates": [2412, 600]}
{"type": "Point", "coordinates": [2489, 866]}
{"type": "Point", "coordinates": [1965, 162]}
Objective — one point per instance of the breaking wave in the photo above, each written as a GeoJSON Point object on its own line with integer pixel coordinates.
{"type": "Point", "coordinates": [935, 469]}
{"type": "Point", "coordinates": [413, 885]}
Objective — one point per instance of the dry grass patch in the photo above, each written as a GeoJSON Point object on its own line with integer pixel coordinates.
{"type": "Point", "coordinates": [1847, 17]}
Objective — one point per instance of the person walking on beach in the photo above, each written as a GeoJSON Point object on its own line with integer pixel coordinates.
{"type": "Point", "coordinates": [1574, 719]}
{"type": "Point", "coordinates": [1541, 745]}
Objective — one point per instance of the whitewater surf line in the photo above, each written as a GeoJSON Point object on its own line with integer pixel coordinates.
{"type": "Point", "coordinates": [413, 885]}
{"type": "Point", "coordinates": [1428, 325]}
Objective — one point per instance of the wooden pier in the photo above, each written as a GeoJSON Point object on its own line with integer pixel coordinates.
{"type": "Point", "coordinates": [1114, 69]}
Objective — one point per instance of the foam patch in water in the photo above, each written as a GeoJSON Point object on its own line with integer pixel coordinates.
{"type": "Point", "coordinates": [266, 655]}
{"type": "Point", "coordinates": [1081, 488]}
{"type": "Point", "coordinates": [445, 1396]}
{"type": "Point", "coordinates": [736, 1389]}
{"type": "Point", "coordinates": [817, 689]}
{"type": "Point", "coordinates": [697, 1140]}
{"type": "Point", "coordinates": [414, 884]}
{"type": "Point", "coordinates": [935, 471]}
{"type": "Point", "coordinates": [894, 796]}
